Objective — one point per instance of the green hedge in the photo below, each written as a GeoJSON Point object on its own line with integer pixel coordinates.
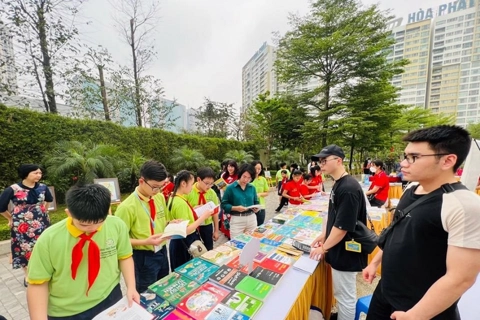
{"type": "Point", "coordinates": [26, 136]}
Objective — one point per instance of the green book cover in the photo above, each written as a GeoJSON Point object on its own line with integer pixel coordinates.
{"type": "Point", "coordinates": [243, 303]}
{"type": "Point", "coordinates": [197, 269]}
{"type": "Point", "coordinates": [174, 287]}
{"type": "Point", "coordinates": [254, 287]}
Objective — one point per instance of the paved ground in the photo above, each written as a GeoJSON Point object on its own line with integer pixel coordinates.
{"type": "Point", "coordinates": [13, 304]}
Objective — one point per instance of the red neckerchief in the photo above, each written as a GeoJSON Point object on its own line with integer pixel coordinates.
{"type": "Point", "coordinates": [93, 258]}
{"type": "Point", "coordinates": [201, 197]}
{"type": "Point", "coordinates": [153, 211]}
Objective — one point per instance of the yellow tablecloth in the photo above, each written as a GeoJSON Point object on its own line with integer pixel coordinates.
{"type": "Point", "coordinates": [395, 191]}
{"type": "Point", "coordinates": [318, 292]}
{"type": "Point", "coordinates": [477, 191]}
{"type": "Point", "coordinates": [379, 225]}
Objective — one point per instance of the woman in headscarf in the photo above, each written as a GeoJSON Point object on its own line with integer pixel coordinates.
{"type": "Point", "coordinates": [29, 216]}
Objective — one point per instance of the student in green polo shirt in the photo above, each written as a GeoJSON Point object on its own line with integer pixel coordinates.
{"type": "Point", "coordinates": [201, 194]}
{"type": "Point", "coordinates": [66, 284]}
{"type": "Point", "coordinates": [261, 185]}
{"type": "Point", "coordinates": [179, 208]}
{"type": "Point", "coordinates": [144, 214]}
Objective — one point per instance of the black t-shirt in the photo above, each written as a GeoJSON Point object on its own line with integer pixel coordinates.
{"type": "Point", "coordinates": [414, 255]}
{"type": "Point", "coordinates": [347, 205]}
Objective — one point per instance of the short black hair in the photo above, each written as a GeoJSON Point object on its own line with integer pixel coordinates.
{"type": "Point", "coordinates": [294, 166]}
{"type": "Point", "coordinates": [89, 202]}
{"type": "Point", "coordinates": [378, 163]}
{"type": "Point", "coordinates": [306, 177]}
{"type": "Point", "coordinates": [153, 170]}
{"type": "Point", "coordinates": [284, 171]}
{"type": "Point", "coordinates": [246, 168]}
{"type": "Point", "coordinates": [313, 169]}
{"type": "Point", "coordinates": [254, 164]}
{"type": "Point", "coordinates": [205, 172]}
{"type": "Point", "coordinates": [297, 173]}
{"type": "Point", "coordinates": [282, 164]}
{"type": "Point", "coordinates": [444, 139]}
{"type": "Point", "coordinates": [25, 169]}
{"type": "Point", "coordinates": [182, 176]}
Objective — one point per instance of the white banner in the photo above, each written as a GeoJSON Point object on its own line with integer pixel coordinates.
{"type": "Point", "coordinates": [471, 169]}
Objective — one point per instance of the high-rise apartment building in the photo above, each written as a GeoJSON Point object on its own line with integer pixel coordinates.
{"type": "Point", "coordinates": [258, 75]}
{"type": "Point", "coordinates": [8, 76]}
{"type": "Point", "coordinates": [444, 55]}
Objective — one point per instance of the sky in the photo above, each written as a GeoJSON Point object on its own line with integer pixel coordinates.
{"type": "Point", "coordinates": [203, 45]}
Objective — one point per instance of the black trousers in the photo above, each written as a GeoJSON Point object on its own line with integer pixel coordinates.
{"type": "Point", "coordinates": [89, 314]}
{"type": "Point", "coordinates": [380, 309]}
{"type": "Point", "coordinates": [206, 232]}
{"type": "Point", "coordinates": [149, 267]}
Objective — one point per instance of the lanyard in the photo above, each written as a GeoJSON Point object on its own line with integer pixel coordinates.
{"type": "Point", "coordinates": [146, 211]}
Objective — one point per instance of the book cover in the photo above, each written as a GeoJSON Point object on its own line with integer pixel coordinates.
{"type": "Point", "coordinates": [222, 312]}
{"type": "Point", "coordinates": [270, 225]}
{"type": "Point", "coordinates": [307, 236]}
{"type": "Point", "coordinates": [155, 305]}
{"type": "Point", "coordinates": [274, 265]}
{"type": "Point", "coordinates": [260, 232]}
{"type": "Point", "coordinates": [242, 303]}
{"type": "Point", "coordinates": [220, 183]}
{"type": "Point", "coordinates": [218, 258]}
{"type": "Point", "coordinates": [174, 287]}
{"type": "Point", "coordinates": [273, 240]}
{"type": "Point", "coordinates": [227, 277]}
{"type": "Point", "coordinates": [235, 264]}
{"type": "Point", "coordinates": [266, 275]}
{"type": "Point", "coordinates": [260, 256]}
{"type": "Point", "coordinates": [287, 231]}
{"type": "Point", "coordinates": [283, 257]}
{"type": "Point", "coordinates": [235, 243]}
{"type": "Point", "coordinates": [228, 250]}
{"type": "Point", "coordinates": [265, 248]}
{"type": "Point", "coordinates": [176, 230]}
{"type": "Point", "coordinates": [287, 247]}
{"type": "Point", "coordinates": [197, 269]}
{"type": "Point", "coordinates": [282, 218]}
{"type": "Point", "coordinates": [254, 288]}
{"type": "Point", "coordinates": [178, 315]}
{"type": "Point", "coordinates": [243, 238]}
{"type": "Point", "coordinates": [202, 300]}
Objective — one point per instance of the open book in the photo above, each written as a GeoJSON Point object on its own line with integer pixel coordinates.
{"type": "Point", "coordinates": [176, 230]}
{"type": "Point", "coordinates": [207, 207]}
{"type": "Point", "coordinates": [121, 311]}
{"type": "Point", "coordinates": [259, 206]}
{"type": "Point", "coordinates": [220, 183]}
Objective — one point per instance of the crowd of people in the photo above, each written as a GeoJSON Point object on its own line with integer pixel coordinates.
{"type": "Point", "coordinates": [429, 258]}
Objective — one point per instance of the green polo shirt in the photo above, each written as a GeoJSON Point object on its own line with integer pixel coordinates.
{"type": "Point", "coordinates": [279, 174]}
{"type": "Point", "coordinates": [193, 199]}
{"type": "Point", "coordinates": [135, 212]}
{"type": "Point", "coordinates": [261, 185]}
{"type": "Point", "coordinates": [52, 258]}
{"type": "Point", "coordinates": [180, 210]}
{"type": "Point", "coordinates": [235, 196]}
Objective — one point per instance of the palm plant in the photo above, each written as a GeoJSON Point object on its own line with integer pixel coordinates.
{"type": "Point", "coordinates": [85, 161]}
{"type": "Point", "coordinates": [214, 164]}
{"type": "Point", "coordinates": [285, 155]}
{"type": "Point", "coordinates": [188, 159]}
{"type": "Point", "coordinates": [240, 156]}
{"type": "Point", "coordinates": [131, 168]}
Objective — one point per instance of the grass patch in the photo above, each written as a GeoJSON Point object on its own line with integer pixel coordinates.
{"type": "Point", "coordinates": [55, 216]}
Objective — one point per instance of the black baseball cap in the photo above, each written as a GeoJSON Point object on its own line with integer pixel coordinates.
{"type": "Point", "coordinates": [331, 150]}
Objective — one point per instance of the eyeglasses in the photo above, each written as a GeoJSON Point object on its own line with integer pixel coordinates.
{"type": "Point", "coordinates": [154, 189]}
{"type": "Point", "coordinates": [411, 158]}
{"type": "Point", "coordinates": [208, 184]}
{"type": "Point", "coordinates": [324, 161]}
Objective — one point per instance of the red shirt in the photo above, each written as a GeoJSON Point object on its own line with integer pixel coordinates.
{"type": "Point", "coordinates": [304, 190]}
{"type": "Point", "coordinates": [381, 180]}
{"type": "Point", "coordinates": [168, 189]}
{"type": "Point", "coordinates": [229, 179]}
{"type": "Point", "coordinates": [315, 182]}
{"type": "Point", "coordinates": [293, 190]}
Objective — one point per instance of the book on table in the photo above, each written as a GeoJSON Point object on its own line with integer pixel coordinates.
{"type": "Point", "coordinates": [174, 287]}
{"type": "Point", "coordinates": [121, 311]}
{"type": "Point", "coordinates": [221, 255]}
{"type": "Point", "coordinates": [266, 275]}
{"type": "Point", "coordinates": [274, 265]}
{"type": "Point", "coordinates": [235, 263]}
{"type": "Point", "coordinates": [155, 304]}
{"type": "Point", "coordinates": [242, 303]}
{"type": "Point", "coordinates": [254, 288]}
{"type": "Point", "coordinates": [235, 243]}
{"type": "Point", "coordinates": [201, 301]}
{"type": "Point", "coordinates": [260, 232]}
{"type": "Point", "coordinates": [283, 257]}
{"type": "Point", "coordinates": [227, 277]}
{"type": "Point", "coordinates": [222, 312]}
{"type": "Point", "coordinates": [177, 314]}
{"type": "Point", "coordinates": [243, 238]}
{"type": "Point", "coordinates": [197, 269]}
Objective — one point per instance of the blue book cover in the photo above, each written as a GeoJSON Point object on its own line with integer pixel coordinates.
{"type": "Point", "coordinates": [198, 270]}
{"type": "Point", "coordinates": [235, 243]}
{"type": "Point", "coordinates": [155, 305]}
{"type": "Point", "coordinates": [222, 312]}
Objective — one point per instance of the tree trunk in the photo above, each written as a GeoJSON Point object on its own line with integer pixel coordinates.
{"type": "Point", "coordinates": [138, 108]}
{"type": "Point", "coordinates": [327, 107]}
{"type": "Point", "coordinates": [104, 93]}
{"type": "Point", "coordinates": [46, 63]}
{"type": "Point", "coordinates": [352, 146]}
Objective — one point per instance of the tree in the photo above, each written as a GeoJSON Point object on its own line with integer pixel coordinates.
{"type": "Point", "coordinates": [339, 43]}
{"type": "Point", "coordinates": [213, 119]}
{"type": "Point", "coordinates": [46, 30]}
{"type": "Point", "coordinates": [474, 129]}
{"type": "Point", "coordinates": [278, 122]}
{"type": "Point", "coordinates": [240, 156]}
{"type": "Point", "coordinates": [84, 162]}
{"type": "Point", "coordinates": [284, 155]}
{"type": "Point", "coordinates": [131, 168]}
{"type": "Point", "coordinates": [188, 159]}
{"type": "Point", "coordinates": [137, 20]}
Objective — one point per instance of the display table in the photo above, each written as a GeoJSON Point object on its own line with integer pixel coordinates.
{"type": "Point", "coordinates": [297, 291]}
{"type": "Point", "coordinates": [477, 191]}
{"type": "Point", "coordinates": [395, 191]}
{"type": "Point", "coordinates": [381, 218]}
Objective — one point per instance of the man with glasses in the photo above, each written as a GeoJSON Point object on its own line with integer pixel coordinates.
{"type": "Point", "coordinates": [144, 214]}
{"type": "Point", "coordinates": [201, 194]}
{"type": "Point", "coordinates": [347, 205]}
{"type": "Point", "coordinates": [432, 255]}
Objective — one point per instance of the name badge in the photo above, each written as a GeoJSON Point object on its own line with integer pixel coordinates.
{"type": "Point", "coordinates": [353, 246]}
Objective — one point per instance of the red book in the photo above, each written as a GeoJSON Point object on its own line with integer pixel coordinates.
{"type": "Point", "coordinates": [201, 301]}
{"type": "Point", "coordinates": [178, 315]}
{"type": "Point", "coordinates": [235, 264]}
{"type": "Point", "coordinates": [274, 265]}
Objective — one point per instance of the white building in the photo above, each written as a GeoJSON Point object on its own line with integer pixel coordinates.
{"type": "Point", "coordinates": [8, 75]}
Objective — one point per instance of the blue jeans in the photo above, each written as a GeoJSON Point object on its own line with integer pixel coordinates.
{"type": "Point", "coordinates": [149, 267]}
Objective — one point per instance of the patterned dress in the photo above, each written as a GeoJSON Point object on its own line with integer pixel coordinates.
{"type": "Point", "coordinates": [30, 218]}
